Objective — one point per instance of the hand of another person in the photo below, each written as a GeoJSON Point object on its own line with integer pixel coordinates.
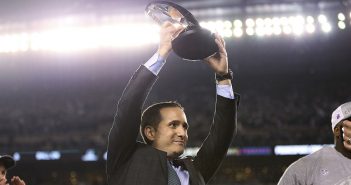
{"type": "Point", "coordinates": [347, 134]}
{"type": "Point", "coordinates": [3, 181]}
{"type": "Point", "coordinates": [168, 32]}
{"type": "Point", "coordinates": [17, 181]}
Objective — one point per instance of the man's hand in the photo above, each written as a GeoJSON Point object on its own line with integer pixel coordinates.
{"type": "Point", "coordinates": [219, 61]}
{"type": "Point", "coordinates": [347, 134]}
{"type": "Point", "coordinates": [3, 181]}
{"type": "Point", "coordinates": [168, 32]}
{"type": "Point", "coordinates": [17, 181]}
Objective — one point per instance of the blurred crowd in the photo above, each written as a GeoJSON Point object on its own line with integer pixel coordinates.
{"type": "Point", "coordinates": [267, 116]}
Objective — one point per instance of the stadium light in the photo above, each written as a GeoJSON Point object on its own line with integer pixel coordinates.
{"type": "Point", "coordinates": [342, 25]}
{"type": "Point", "coordinates": [259, 22]}
{"type": "Point", "coordinates": [277, 30]}
{"type": "Point", "coordinates": [17, 156]}
{"type": "Point", "coordinates": [310, 19]}
{"type": "Point", "coordinates": [250, 22]}
{"type": "Point", "coordinates": [42, 155]}
{"type": "Point", "coordinates": [268, 22]}
{"type": "Point", "coordinates": [250, 31]}
{"type": "Point", "coordinates": [298, 29]}
{"type": "Point", "coordinates": [90, 155]}
{"type": "Point", "coordinates": [287, 30]}
{"type": "Point", "coordinates": [341, 17]}
{"type": "Point", "coordinates": [322, 19]}
{"type": "Point", "coordinates": [238, 32]}
{"type": "Point", "coordinates": [67, 34]}
{"type": "Point", "coordinates": [284, 21]}
{"type": "Point", "coordinates": [260, 31]}
{"type": "Point", "coordinates": [275, 21]}
{"type": "Point", "coordinates": [326, 27]}
{"type": "Point", "coordinates": [224, 28]}
{"type": "Point", "coordinates": [238, 23]}
{"type": "Point", "coordinates": [310, 28]}
{"type": "Point", "coordinates": [268, 30]}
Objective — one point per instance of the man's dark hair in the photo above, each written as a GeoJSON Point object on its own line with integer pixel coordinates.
{"type": "Point", "coordinates": [151, 116]}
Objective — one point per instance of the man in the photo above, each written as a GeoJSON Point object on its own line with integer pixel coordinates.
{"type": "Point", "coordinates": [329, 165]}
{"type": "Point", "coordinates": [7, 162]}
{"type": "Point", "coordinates": [164, 127]}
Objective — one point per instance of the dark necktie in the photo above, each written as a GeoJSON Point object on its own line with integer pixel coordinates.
{"type": "Point", "coordinates": [173, 178]}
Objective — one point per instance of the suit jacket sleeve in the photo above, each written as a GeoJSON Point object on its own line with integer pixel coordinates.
{"type": "Point", "coordinates": [125, 128]}
{"type": "Point", "coordinates": [217, 142]}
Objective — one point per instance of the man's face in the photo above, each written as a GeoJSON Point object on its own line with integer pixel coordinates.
{"type": "Point", "coordinates": [171, 135]}
{"type": "Point", "coordinates": [3, 172]}
{"type": "Point", "coordinates": [346, 126]}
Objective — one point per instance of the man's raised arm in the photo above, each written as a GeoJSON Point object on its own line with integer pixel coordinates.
{"type": "Point", "coordinates": [125, 128]}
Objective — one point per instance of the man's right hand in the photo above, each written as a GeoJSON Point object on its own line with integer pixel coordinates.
{"type": "Point", "coordinates": [168, 32]}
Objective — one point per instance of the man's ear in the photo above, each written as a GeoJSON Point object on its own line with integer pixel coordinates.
{"type": "Point", "coordinates": [149, 132]}
{"type": "Point", "coordinates": [337, 132]}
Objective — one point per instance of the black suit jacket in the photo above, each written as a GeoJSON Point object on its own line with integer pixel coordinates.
{"type": "Point", "coordinates": [135, 163]}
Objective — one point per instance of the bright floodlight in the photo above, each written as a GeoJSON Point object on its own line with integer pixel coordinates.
{"type": "Point", "coordinates": [121, 35]}
{"type": "Point", "coordinates": [287, 30]}
{"type": "Point", "coordinates": [224, 28]}
{"type": "Point", "coordinates": [310, 28]}
{"type": "Point", "coordinates": [299, 19]}
{"type": "Point", "coordinates": [298, 29]}
{"type": "Point", "coordinates": [14, 43]}
{"type": "Point", "coordinates": [284, 21]}
{"type": "Point", "coordinates": [292, 20]}
{"type": "Point", "coordinates": [250, 23]}
{"type": "Point", "coordinates": [268, 30]}
{"type": "Point", "coordinates": [342, 25]}
{"type": "Point", "coordinates": [203, 24]}
{"type": "Point", "coordinates": [260, 31]}
{"type": "Point", "coordinates": [275, 21]}
{"type": "Point", "coordinates": [341, 16]}
{"type": "Point", "coordinates": [227, 24]}
{"type": "Point", "coordinates": [310, 19]}
{"type": "Point", "coordinates": [277, 30]}
{"type": "Point", "coordinates": [227, 33]}
{"type": "Point", "coordinates": [322, 19]}
{"type": "Point", "coordinates": [326, 27]}
{"type": "Point", "coordinates": [238, 32]}
{"type": "Point", "coordinates": [238, 24]}
{"type": "Point", "coordinates": [219, 24]}
{"type": "Point", "coordinates": [259, 22]}
{"type": "Point", "coordinates": [268, 22]}
{"type": "Point", "coordinates": [250, 31]}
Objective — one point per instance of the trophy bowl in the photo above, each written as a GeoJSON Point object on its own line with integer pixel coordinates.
{"type": "Point", "coordinates": [194, 42]}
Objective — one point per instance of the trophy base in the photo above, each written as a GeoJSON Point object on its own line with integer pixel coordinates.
{"type": "Point", "coordinates": [195, 44]}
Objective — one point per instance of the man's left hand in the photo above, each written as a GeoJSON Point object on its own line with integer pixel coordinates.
{"type": "Point", "coordinates": [219, 61]}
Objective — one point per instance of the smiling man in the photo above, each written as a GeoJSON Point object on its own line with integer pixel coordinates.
{"type": "Point", "coordinates": [164, 126]}
{"type": "Point", "coordinates": [329, 165]}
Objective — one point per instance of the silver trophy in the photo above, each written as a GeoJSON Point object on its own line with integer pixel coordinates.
{"type": "Point", "coordinates": [194, 43]}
